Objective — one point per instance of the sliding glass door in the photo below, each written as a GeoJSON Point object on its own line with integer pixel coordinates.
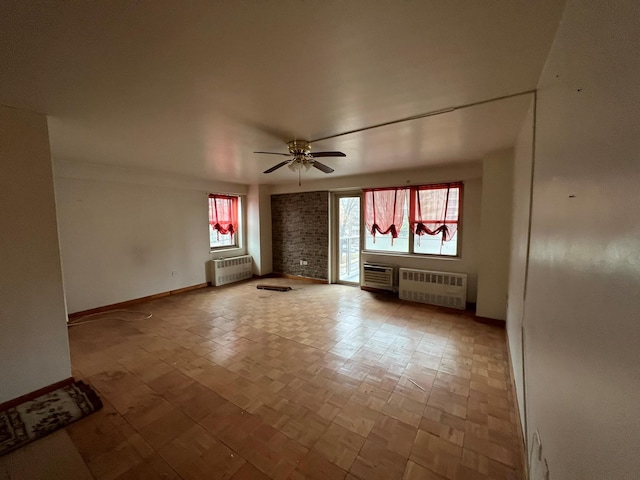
{"type": "Point", "coordinates": [347, 238]}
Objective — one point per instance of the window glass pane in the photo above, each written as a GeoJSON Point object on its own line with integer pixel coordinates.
{"type": "Point", "coordinates": [383, 242]}
{"type": "Point", "coordinates": [432, 245]}
{"type": "Point", "coordinates": [349, 239]}
{"type": "Point", "coordinates": [218, 240]}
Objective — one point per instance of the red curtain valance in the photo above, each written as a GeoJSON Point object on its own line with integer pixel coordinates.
{"type": "Point", "coordinates": [435, 209]}
{"type": "Point", "coordinates": [223, 214]}
{"type": "Point", "coordinates": [384, 211]}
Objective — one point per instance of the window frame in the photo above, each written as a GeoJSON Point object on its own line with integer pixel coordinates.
{"type": "Point", "coordinates": [237, 233]}
{"type": "Point", "coordinates": [410, 191]}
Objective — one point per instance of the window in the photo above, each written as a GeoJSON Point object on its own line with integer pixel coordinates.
{"type": "Point", "coordinates": [223, 221]}
{"type": "Point", "coordinates": [422, 220]}
{"type": "Point", "coordinates": [385, 216]}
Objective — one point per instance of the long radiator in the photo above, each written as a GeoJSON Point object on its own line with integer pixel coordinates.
{"type": "Point", "coordinates": [437, 288]}
{"type": "Point", "coordinates": [229, 270]}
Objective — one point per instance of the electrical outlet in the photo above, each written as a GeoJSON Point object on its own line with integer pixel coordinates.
{"type": "Point", "coordinates": [173, 274]}
{"type": "Point", "coordinates": [304, 262]}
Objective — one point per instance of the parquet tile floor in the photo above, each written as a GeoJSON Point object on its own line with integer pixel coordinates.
{"type": "Point", "coordinates": [321, 382]}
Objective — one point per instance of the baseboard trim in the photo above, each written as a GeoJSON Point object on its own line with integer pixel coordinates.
{"type": "Point", "coordinates": [135, 301]}
{"type": "Point", "coordinates": [304, 279]}
{"type": "Point", "coordinates": [523, 441]}
{"type": "Point", "coordinates": [490, 321]}
{"type": "Point", "coordinates": [35, 394]}
{"type": "Point", "coordinates": [188, 289]}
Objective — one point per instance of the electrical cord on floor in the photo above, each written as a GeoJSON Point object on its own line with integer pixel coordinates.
{"type": "Point", "coordinates": [107, 316]}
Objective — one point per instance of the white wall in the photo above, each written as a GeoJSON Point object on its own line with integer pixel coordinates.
{"type": "Point", "coordinates": [522, 174]}
{"type": "Point", "coordinates": [266, 261]}
{"type": "Point", "coordinates": [582, 308]}
{"type": "Point", "coordinates": [34, 348]}
{"type": "Point", "coordinates": [495, 235]}
{"type": "Point", "coordinates": [127, 234]}
{"type": "Point", "coordinates": [259, 228]}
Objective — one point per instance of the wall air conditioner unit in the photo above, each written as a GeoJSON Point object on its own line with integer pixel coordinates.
{"type": "Point", "coordinates": [436, 288]}
{"type": "Point", "coordinates": [234, 269]}
{"type": "Point", "coordinates": [378, 276]}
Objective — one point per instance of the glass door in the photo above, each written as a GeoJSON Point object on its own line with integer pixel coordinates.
{"type": "Point", "coordinates": [347, 246]}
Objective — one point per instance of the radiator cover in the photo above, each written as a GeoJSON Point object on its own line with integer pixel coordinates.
{"type": "Point", "coordinates": [437, 288]}
{"type": "Point", "coordinates": [230, 270]}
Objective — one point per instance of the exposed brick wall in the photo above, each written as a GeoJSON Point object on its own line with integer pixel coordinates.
{"type": "Point", "coordinates": [301, 232]}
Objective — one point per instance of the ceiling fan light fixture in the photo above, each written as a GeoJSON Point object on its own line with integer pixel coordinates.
{"type": "Point", "coordinates": [294, 166]}
{"type": "Point", "coordinates": [299, 162]}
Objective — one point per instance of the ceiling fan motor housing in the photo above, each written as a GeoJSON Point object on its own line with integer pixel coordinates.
{"type": "Point", "coordinates": [299, 147]}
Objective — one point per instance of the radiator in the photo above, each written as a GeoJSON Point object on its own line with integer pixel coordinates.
{"type": "Point", "coordinates": [377, 276]}
{"type": "Point", "coordinates": [437, 288]}
{"type": "Point", "coordinates": [229, 270]}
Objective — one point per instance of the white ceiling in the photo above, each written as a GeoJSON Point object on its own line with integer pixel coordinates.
{"type": "Point", "coordinates": [195, 87]}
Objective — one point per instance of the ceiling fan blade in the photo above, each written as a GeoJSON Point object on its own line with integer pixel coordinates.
{"type": "Point", "coordinates": [328, 154]}
{"type": "Point", "coordinates": [322, 167]}
{"type": "Point", "coordinates": [274, 153]}
{"type": "Point", "coordinates": [275, 167]}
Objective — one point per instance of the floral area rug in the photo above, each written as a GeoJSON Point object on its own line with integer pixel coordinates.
{"type": "Point", "coordinates": [36, 418]}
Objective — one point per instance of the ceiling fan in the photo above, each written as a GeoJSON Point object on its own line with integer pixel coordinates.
{"type": "Point", "coordinates": [300, 157]}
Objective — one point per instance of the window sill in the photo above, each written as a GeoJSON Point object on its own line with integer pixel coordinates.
{"type": "Point", "coordinates": [226, 252]}
{"type": "Point", "coordinates": [426, 256]}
